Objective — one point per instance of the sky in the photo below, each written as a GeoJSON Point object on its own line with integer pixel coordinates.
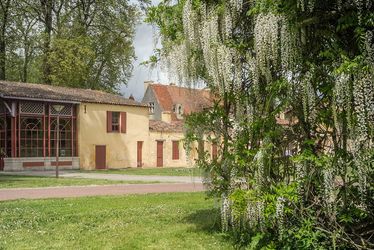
{"type": "Point", "coordinates": [144, 46]}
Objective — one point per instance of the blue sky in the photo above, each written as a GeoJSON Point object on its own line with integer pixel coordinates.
{"type": "Point", "coordinates": [144, 45]}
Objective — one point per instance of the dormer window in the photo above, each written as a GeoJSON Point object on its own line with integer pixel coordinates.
{"type": "Point", "coordinates": [151, 107]}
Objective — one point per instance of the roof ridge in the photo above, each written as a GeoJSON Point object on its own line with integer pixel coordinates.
{"type": "Point", "coordinates": [19, 90]}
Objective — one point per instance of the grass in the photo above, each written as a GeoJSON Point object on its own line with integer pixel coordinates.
{"type": "Point", "coordinates": [14, 181]}
{"type": "Point", "coordinates": [153, 221]}
{"type": "Point", "coordinates": [151, 171]}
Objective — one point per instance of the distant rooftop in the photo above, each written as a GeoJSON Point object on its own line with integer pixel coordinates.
{"type": "Point", "coordinates": [192, 100]}
{"type": "Point", "coordinates": [32, 91]}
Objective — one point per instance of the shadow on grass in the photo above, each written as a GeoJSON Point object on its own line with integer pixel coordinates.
{"type": "Point", "coordinates": [207, 220]}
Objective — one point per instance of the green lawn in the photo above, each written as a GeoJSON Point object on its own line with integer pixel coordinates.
{"type": "Point", "coordinates": [14, 181]}
{"type": "Point", "coordinates": [157, 221]}
{"type": "Point", "coordinates": [151, 171]}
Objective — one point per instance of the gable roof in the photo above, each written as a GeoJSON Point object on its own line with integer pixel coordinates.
{"type": "Point", "coordinates": [192, 100]}
{"type": "Point", "coordinates": [32, 91]}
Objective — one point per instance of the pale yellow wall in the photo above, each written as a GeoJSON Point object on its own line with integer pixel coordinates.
{"type": "Point", "coordinates": [121, 148]}
{"type": "Point", "coordinates": [167, 138]}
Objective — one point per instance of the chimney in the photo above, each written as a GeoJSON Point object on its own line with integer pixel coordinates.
{"type": "Point", "coordinates": [172, 84]}
{"type": "Point", "coordinates": [146, 83]}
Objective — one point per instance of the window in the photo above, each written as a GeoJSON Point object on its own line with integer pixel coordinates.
{"type": "Point", "coordinates": [31, 137]}
{"type": "Point", "coordinates": [115, 121]}
{"type": "Point", "coordinates": [151, 107]}
{"type": "Point", "coordinates": [175, 150]}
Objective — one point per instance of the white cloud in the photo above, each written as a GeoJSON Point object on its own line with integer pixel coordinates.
{"type": "Point", "coordinates": [144, 46]}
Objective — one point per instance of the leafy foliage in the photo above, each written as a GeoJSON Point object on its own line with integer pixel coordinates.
{"type": "Point", "coordinates": [294, 113]}
{"type": "Point", "coordinates": [71, 43]}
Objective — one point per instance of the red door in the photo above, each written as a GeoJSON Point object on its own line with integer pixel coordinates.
{"type": "Point", "coordinates": [214, 151]}
{"type": "Point", "coordinates": [160, 153]}
{"type": "Point", "coordinates": [100, 156]}
{"type": "Point", "coordinates": [140, 154]}
{"type": "Point", "coordinates": [1, 163]}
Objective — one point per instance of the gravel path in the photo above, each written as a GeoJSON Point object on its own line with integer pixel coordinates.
{"type": "Point", "coordinates": [113, 177]}
{"type": "Point", "coordinates": [81, 191]}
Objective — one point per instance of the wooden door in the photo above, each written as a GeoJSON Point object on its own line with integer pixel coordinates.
{"type": "Point", "coordinates": [100, 156]}
{"type": "Point", "coordinates": [140, 154]}
{"type": "Point", "coordinates": [160, 153]}
{"type": "Point", "coordinates": [1, 163]}
{"type": "Point", "coordinates": [214, 151]}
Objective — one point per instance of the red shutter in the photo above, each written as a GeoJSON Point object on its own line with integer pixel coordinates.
{"type": "Point", "coordinates": [108, 121]}
{"type": "Point", "coordinates": [175, 150]}
{"type": "Point", "coordinates": [123, 122]}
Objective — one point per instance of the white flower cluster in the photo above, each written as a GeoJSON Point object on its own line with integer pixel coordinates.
{"type": "Point", "coordinates": [225, 213]}
{"type": "Point", "coordinates": [255, 212]}
{"type": "Point", "coordinates": [361, 5]}
{"type": "Point", "coordinates": [236, 5]}
{"type": "Point", "coordinates": [189, 21]}
{"type": "Point", "coordinates": [176, 62]}
{"type": "Point", "coordinates": [369, 47]}
{"type": "Point", "coordinates": [260, 175]}
{"type": "Point", "coordinates": [342, 99]}
{"type": "Point", "coordinates": [329, 192]}
{"type": "Point", "coordinates": [309, 97]}
{"type": "Point", "coordinates": [274, 44]}
{"type": "Point", "coordinates": [279, 213]}
{"type": "Point", "coordinates": [363, 92]}
{"type": "Point", "coordinates": [306, 5]}
{"type": "Point", "coordinates": [300, 173]}
{"type": "Point", "coordinates": [362, 163]}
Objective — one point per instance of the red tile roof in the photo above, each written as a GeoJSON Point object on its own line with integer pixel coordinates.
{"type": "Point", "coordinates": [18, 90]}
{"type": "Point", "coordinates": [192, 100]}
{"type": "Point", "coordinates": [161, 126]}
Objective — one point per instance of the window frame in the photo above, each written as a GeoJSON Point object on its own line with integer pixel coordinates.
{"type": "Point", "coordinates": [115, 125]}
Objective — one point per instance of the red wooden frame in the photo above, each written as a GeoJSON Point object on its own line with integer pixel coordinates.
{"type": "Point", "coordinates": [20, 136]}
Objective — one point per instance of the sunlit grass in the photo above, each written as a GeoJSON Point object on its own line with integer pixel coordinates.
{"type": "Point", "coordinates": [14, 181]}
{"type": "Point", "coordinates": [154, 221]}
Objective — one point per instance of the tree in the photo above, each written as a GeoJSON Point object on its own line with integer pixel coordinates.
{"type": "Point", "coordinates": [293, 82]}
{"type": "Point", "coordinates": [5, 6]}
{"type": "Point", "coordinates": [81, 43]}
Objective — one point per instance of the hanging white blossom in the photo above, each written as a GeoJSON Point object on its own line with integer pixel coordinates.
{"type": "Point", "coordinates": [279, 213]}
{"type": "Point", "coordinates": [363, 92]}
{"type": "Point", "coordinates": [329, 193]}
{"type": "Point", "coordinates": [225, 213]}
{"type": "Point", "coordinates": [309, 97]}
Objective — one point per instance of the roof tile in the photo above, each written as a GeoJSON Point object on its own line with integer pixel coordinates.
{"type": "Point", "coordinates": [40, 91]}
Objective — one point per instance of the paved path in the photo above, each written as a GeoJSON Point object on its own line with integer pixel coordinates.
{"type": "Point", "coordinates": [81, 191]}
{"type": "Point", "coordinates": [113, 177]}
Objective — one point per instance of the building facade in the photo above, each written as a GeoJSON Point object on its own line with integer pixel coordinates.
{"type": "Point", "coordinates": [97, 130]}
{"type": "Point", "coordinates": [168, 107]}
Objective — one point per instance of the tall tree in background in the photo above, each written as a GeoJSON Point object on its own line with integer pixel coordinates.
{"type": "Point", "coordinates": [5, 6]}
{"type": "Point", "coordinates": [77, 43]}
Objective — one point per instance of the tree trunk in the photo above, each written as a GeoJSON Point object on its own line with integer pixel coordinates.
{"type": "Point", "coordinates": [2, 57]}
{"type": "Point", "coordinates": [47, 6]}
{"type": "Point", "coordinates": [4, 5]}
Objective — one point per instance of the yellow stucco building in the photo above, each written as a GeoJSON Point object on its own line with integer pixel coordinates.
{"type": "Point", "coordinates": [96, 130]}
